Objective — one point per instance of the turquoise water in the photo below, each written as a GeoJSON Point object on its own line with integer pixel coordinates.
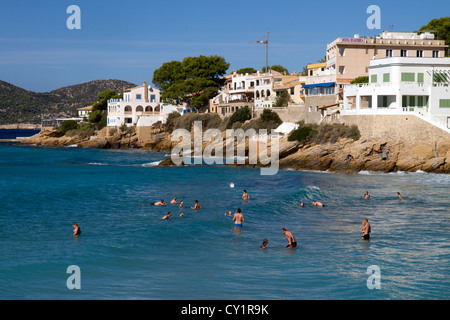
{"type": "Point", "coordinates": [127, 252]}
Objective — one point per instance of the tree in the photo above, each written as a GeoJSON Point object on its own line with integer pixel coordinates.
{"type": "Point", "coordinates": [103, 97]}
{"type": "Point", "coordinates": [442, 26]}
{"type": "Point", "coordinates": [246, 70]}
{"type": "Point", "coordinates": [194, 80]}
{"type": "Point", "coordinates": [362, 79]}
{"type": "Point", "coordinates": [282, 99]}
{"type": "Point", "coordinates": [278, 68]}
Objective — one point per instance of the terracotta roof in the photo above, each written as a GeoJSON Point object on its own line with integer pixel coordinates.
{"type": "Point", "coordinates": [88, 108]}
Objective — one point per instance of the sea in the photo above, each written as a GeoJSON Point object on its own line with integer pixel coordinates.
{"type": "Point", "coordinates": [127, 252]}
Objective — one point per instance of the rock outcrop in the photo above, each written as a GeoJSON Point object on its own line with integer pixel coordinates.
{"type": "Point", "coordinates": [346, 155]}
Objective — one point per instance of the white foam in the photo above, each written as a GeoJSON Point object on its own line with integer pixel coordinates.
{"type": "Point", "coordinates": [151, 164]}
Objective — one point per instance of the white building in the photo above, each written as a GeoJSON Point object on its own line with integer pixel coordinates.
{"type": "Point", "coordinates": [84, 112]}
{"type": "Point", "coordinates": [140, 106]}
{"type": "Point", "coordinates": [400, 85]}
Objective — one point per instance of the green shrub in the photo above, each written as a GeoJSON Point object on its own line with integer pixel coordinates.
{"type": "Point", "coordinates": [171, 118]}
{"type": "Point", "coordinates": [209, 121]}
{"type": "Point", "coordinates": [241, 115]}
{"type": "Point", "coordinates": [326, 133]}
{"type": "Point", "coordinates": [301, 134]}
{"type": "Point", "coordinates": [68, 125]}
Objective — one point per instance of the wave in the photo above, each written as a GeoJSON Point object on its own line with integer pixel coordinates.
{"type": "Point", "coordinates": [151, 164]}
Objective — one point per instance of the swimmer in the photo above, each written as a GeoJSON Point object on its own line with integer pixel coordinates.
{"type": "Point", "coordinates": [367, 195]}
{"type": "Point", "coordinates": [160, 203]}
{"type": "Point", "coordinates": [182, 214]}
{"type": "Point", "coordinates": [318, 204]}
{"type": "Point", "coordinates": [302, 204]}
{"type": "Point", "coordinates": [238, 218]}
{"type": "Point", "coordinates": [245, 195]}
{"type": "Point", "coordinates": [229, 213]}
{"type": "Point", "coordinates": [365, 229]}
{"type": "Point", "coordinates": [167, 216]}
{"type": "Point", "coordinates": [76, 230]}
{"type": "Point", "coordinates": [181, 204]}
{"type": "Point", "coordinates": [399, 196]}
{"type": "Point", "coordinates": [264, 244]}
{"type": "Point", "coordinates": [174, 200]}
{"type": "Point", "coordinates": [292, 243]}
{"type": "Point", "coordinates": [196, 205]}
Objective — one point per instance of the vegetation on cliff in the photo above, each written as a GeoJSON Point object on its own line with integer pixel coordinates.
{"type": "Point", "coordinates": [18, 105]}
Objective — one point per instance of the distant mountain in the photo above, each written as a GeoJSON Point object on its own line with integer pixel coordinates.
{"type": "Point", "coordinates": [18, 105]}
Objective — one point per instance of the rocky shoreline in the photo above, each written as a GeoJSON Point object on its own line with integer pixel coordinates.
{"type": "Point", "coordinates": [346, 155]}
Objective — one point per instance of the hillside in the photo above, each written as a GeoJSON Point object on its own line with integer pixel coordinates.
{"type": "Point", "coordinates": [18, 105]}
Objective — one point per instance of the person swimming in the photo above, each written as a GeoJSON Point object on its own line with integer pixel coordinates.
{"type": "Point", "coordinates": [196, 205]}
{"type": "Point", "coordinates": [76, 230]}
{"type": "Point", "coordinates": [245, 195]}
{"type": "Point", "coordinates": [264, 244]}
{"type": "Point", "coordinates": [367, 195]}
{"type": "Point", "coordinates": [365, 229]}
{"type": "Point", "coordinates": [174, 200]}
{"type": "Point", "coordinates": [160, 203]}
{"type": "Point", "coordinates": [318, 204]}
{"type": "Point", "coordinates": [292, 243]}
{"type": "Point", "coordinates": [238, 218]}
{"type": "Point", "coordinates": [167, 216]}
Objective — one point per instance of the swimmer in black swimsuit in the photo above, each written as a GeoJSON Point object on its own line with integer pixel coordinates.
{"type": "Point", "coordinates": [365, 229]}
{"type": "Point", "coordinates": [77, 230]}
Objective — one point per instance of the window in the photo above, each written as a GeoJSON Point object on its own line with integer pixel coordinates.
{"type": "Point", "coordinates": [435, 54]}
{"type": "Point", "coordinates": [403, 53]}
{"type": "Point", "coordinates": [341, 69]}
{"type": "Point", "coordinates": [138, 97]}
{"type": "Point", "coordinates": [341, 52]}
{"type": "Point", "coordinates": [389, 53]}
{"type": "Point", "coordinates": [444, 103]}
{"type": "Point", "coordinates": [152, 98]}
{"type": "Point", "coordinates": [386, 77]}
{"type": "Point", "coordinates": [408, 77]}
{"type": "Point", "coordinates": [420, 77]}
{"type": "Point", "coordinates": [373, 78]}
{"type": "Point", "coordinates": [419, 53]}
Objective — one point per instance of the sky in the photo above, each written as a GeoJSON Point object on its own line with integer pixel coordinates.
{"type": "Point", "coordinates": [128, 40]}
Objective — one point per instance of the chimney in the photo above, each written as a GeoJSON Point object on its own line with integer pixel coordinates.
{"type": "Point", "coordinates": [145, 91]}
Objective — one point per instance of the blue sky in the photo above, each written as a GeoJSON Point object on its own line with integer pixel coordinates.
{"type": "Point", "coordinates": [128, 40]}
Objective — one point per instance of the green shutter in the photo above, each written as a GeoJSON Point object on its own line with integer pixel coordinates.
{"type": "Point", "coordinates": [444, 103]}
{"type": "Point", "coordinates": [386, 77]}
{"type": "Point", "coordinates": [408, 77]}
{"type": "Point", "coordinates": [385, 101]}
{"type": "Point", "coordinates": [404, 101]}
{"type": "Point", "coordinates": [420, 77]}
{"type": "Point", "coordinates": [373, 78]}
{"type": "Point", "coordinates": [420, 101]}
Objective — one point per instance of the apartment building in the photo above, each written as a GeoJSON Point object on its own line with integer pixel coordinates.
{"type": "Point", "coordinates": [350, 57]}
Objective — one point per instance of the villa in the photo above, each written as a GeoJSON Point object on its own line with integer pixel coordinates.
{"type": "Point", "coordinates": [140, 106]}
{"type": "Point", "coordinates": [256, 91]}
{"type": "Point", "coordinates": [403, 85]}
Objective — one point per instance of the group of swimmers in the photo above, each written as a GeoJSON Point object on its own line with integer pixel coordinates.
{"type": "Point", "coordinates": [196, 206]}
{"type": "Point", "coordinates": [238, 218]}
